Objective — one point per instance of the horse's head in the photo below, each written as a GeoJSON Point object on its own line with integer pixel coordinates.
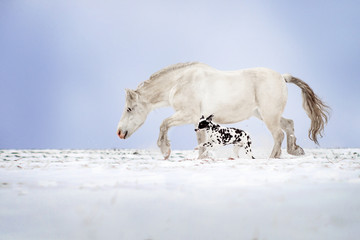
{"type": "Point", "coordinates": [134, 115]}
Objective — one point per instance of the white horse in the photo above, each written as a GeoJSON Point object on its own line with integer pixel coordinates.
{"type": "Point", "coordinates": [195, 89]}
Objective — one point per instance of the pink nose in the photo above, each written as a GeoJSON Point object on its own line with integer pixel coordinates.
{"type": "Point", "coordinates": [121, 134]}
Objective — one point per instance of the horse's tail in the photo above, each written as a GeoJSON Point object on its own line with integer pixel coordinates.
{"type": "Point", "coordinates": [316, 109]}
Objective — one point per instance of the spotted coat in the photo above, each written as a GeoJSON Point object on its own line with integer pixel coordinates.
{"type": "Point", "coordinates": [221, 136]}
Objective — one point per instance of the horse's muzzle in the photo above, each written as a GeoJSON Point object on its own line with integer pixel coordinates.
{"type": "Point", "coordinates": [122, 135]}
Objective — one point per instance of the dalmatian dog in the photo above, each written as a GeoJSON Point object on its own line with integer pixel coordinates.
{"type": "Point", "coordinates": [221, 136]}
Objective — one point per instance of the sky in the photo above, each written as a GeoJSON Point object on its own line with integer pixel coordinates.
{"type": "Point", "coordinates": [65, 64]}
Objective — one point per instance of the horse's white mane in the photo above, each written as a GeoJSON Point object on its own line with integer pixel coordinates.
{"type": "Point", "coordinates": [171, 68]}
{"type": "Point", "coordinates": [164, 71]}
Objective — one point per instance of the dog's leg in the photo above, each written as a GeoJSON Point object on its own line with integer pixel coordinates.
{"type": "Point", "coordinates": [236, 149]}
{"type": "Point", "coordinates": [206, 147]}
{"type": "Point", "coordinates": [247, 146]}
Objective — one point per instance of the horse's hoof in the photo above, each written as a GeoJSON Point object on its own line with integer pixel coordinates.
{"type": "Point", "coordinates": [298, 151]}
{"type": "Point", "coordinates": [276, 154]}
{"type": "Point", "coordinates": [202, 156]}
{"type": "Point", "coordinates": [167, 154]}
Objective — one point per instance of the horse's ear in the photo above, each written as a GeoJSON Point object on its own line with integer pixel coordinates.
{"type": "Point", "coordinates": [131, 94]}
{"type": "Point", "coordinates": [209, 118]}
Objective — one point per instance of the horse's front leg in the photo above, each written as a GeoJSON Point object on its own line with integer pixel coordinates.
{"type": "Point", "coordinates": [163, 142]}
{"type": "Point", "coordinates": [175, 120]}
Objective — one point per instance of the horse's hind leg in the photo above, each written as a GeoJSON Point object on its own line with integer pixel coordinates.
{"type": "Point", "coordinates": [278, 136]}
{"type": "Point", "coordinates": [288, 126]}
{"type": "Point", "coordinates": [273, 124]}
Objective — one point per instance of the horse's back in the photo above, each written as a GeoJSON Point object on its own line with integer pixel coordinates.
{"type": "Point", "coordinates": [232, 95]}
{"type": "Point", "coordinates": [246, 82]}
{"type": "Point", "coordinates": [258, 75]}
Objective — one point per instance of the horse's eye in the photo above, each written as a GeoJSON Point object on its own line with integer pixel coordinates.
{"type": "Point", "coordinates": [129, 110]}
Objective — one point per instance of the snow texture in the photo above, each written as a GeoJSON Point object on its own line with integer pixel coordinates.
{"type": "Point", "coordinates": [135, 194]}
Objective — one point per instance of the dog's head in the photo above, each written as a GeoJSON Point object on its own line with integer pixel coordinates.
{"type": "Point", "coordinates": [204, 123]}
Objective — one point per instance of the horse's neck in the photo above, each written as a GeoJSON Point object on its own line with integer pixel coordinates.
{"type": "Point", "coordinates": [156, 91]}
{"type": "Point", "coordinates": [156, 95]}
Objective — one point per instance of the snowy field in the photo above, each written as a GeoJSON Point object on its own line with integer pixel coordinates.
{"type": "Point", "coordinates": [135, 194]}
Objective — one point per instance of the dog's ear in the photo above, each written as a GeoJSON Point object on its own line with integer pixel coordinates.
{"type": "Point", "coordinates": [202, 117]}
{"type": "Point", "coordinates": [209, 118]}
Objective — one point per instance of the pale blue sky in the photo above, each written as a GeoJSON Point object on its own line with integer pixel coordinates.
{"type": "Point", "coordinates": [64, 65]}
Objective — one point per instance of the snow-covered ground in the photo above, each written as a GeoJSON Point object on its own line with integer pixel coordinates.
{"type": "Point", "coordinates": [135, 194]}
